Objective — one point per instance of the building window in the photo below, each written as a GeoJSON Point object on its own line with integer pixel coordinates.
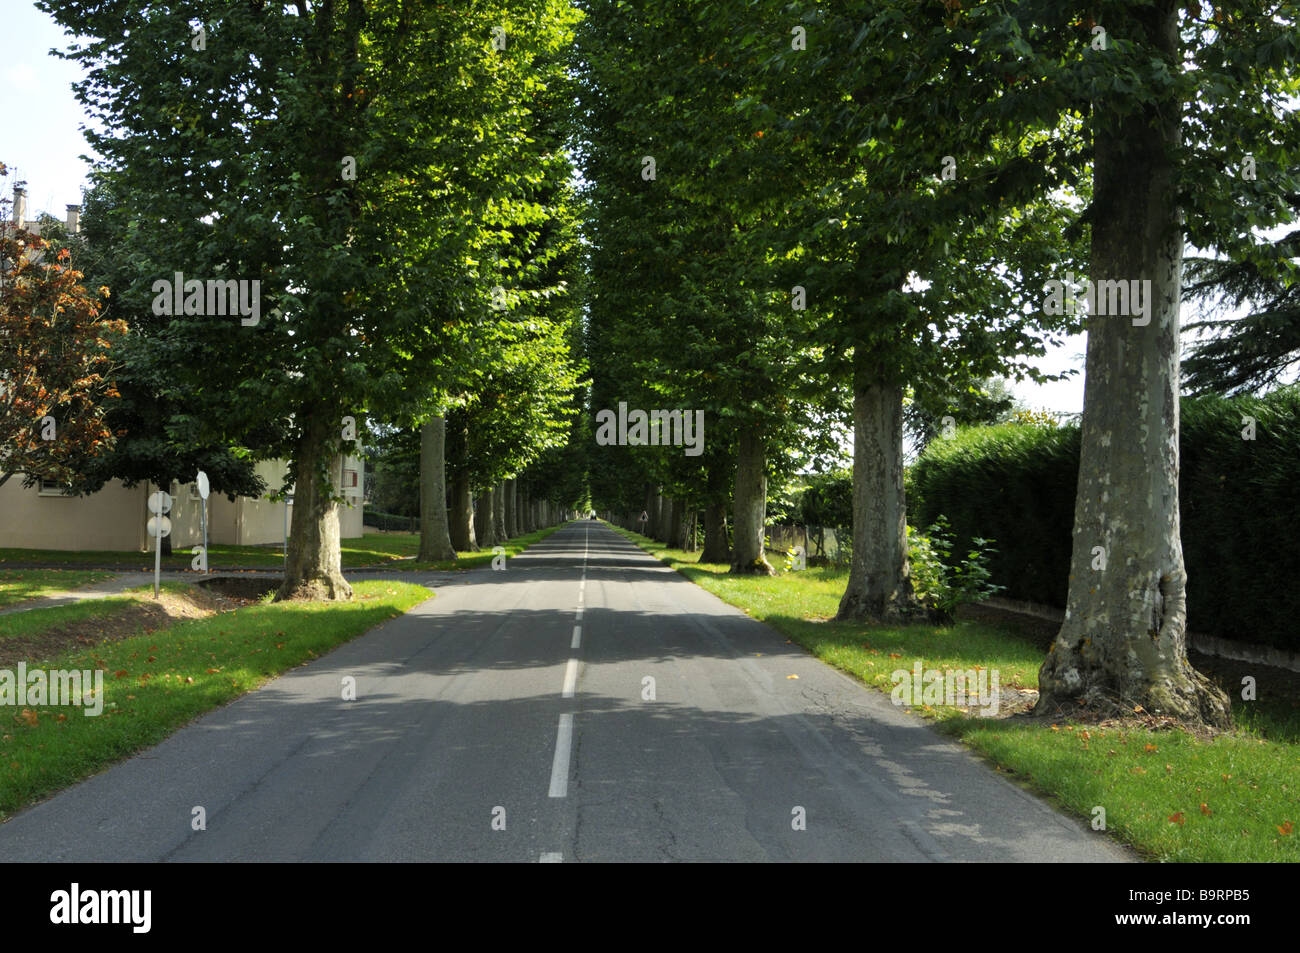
{"type": "Point", "coordinates": [349, 479]}
{"type": "Point", "coordinates": [50, 488]}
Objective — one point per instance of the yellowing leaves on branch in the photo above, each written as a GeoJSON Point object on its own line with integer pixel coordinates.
{"type": "Point", "coordinates": [54, 363]}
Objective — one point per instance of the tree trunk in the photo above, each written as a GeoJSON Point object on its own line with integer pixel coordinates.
{"type": "Point", "coordinates": [462, 514]}
{"type": "Point", "coordinates": [684, 534]}
{"type": "Point", "coordinates": [1123, 643]}
{"type": "Point", "coordinates": [750, 505]}
{"type": "Point", "coordinates": [670, 515]}
{"type": "Point", "coordinates": [671, 533]}
{"type": "Point", "coordinates": [499, 513]}
{"type": "Point", "coordinates": [525, 516]}
{"type": "Point", "coordinates": [512, 509]}
{"type": "Point", "coordinates": [716, 549]}
{"type": "Point", "coordinates": [483, 531]}
{"type": "Point", "coordinates": [435, 537]}
{"type": "Point", "coordinates": [314, 561]}
{"type": "Point", "coordinates": [878, 588]}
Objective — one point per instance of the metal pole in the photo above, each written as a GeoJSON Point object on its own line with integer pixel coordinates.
{"type": "Point", "coordinates": [203, 512]}
{"type": "Point", "coordinates": [157, 555]}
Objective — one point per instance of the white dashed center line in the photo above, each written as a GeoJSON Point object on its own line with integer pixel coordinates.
{"type": "Point", "coordinates": [560, 766]}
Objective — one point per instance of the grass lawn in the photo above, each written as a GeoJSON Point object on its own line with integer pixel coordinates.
{"type": "Point", "coordinates": [375, 549]}
{"type": "Point", "coordinates": [480, 559]}
{"type": "Point", "coordinates": [157, 681]}
{"type": "Point", "coordinates": [1171, 794]}
{"type": "Point", "coordinates": [19, 585]}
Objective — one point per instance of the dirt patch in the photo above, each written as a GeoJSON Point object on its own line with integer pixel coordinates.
{"type": "Point", "coordinates": [244, 590]}
{"type": "Point", "coordinates": [143, 615]}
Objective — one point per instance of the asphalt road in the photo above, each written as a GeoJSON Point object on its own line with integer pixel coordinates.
{"type": "Point", "coordinates": [510, 719]}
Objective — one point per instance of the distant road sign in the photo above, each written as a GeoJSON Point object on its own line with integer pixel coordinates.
{"type": "Point", "coordinates": [160, 501]}
{"type": "Point", "coordinates": [202, 481]}
{"type": "Point", "coordinates": [159, 526]}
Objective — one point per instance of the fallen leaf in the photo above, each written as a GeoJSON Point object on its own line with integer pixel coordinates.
{"type": "Point", "coordinates": [30, 717]}
{"type": "Point", "coordinates": [1205, 809]}
{"type": "Point", "coordinates": [1176, 818]}
{"type": "Point", "coordinates": [1285, 828]}
{"type": "Point", "coordinates": [1151, 748]}
{"type": "Point", "coordinates": [792, 676]}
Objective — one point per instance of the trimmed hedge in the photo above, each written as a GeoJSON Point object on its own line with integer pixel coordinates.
{"type": "Point", "coordinates": [1240, 505]}
{"type": "Point", "coordinates": [391, 522]}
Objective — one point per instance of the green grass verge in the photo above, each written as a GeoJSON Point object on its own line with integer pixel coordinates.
{"type": "Point", "coordinates": [155, 683]}
{"type": "Point", "coordinates": [19, 585]}
{"type": "Point", "coordinates": [366, 551]}
{"type": "Point", "coordinates": [35, 621]}
{"type": "Point", "coordinates": [1173, 796]}
{"type": "Point", "coordinates": [376, 549]}
{"type": "Point", "coordinates": [480, 559]}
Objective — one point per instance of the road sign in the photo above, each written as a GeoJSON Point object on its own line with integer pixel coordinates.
{"type": "Point", "coordinates": [159, 526]}
{"type": "Point", "coordinates": [160, 501]}
{"type": "Point", "coordinates": [202, 482]}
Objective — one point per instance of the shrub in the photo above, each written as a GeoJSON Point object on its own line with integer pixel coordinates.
{"type": "Point", "coordinates": [1240, 498]}
{"type": "Point", "coordinates": [941, 583]}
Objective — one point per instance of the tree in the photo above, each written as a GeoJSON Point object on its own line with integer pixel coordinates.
{"type": "Point", "coordinates": [55, 364]}
{"type": "Point", "coordinates": [1258, 350]}
{"type": "Point", "coordinates": [918, 277]}
{"type": "Point", "coordinates": [1164, 93]}
{"type": "Point", "coordinates": [686, 311]}
{"type": "Point", "coordinates": [156, 440]}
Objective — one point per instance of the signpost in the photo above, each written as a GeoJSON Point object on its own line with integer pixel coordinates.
{"type": "Point", "coordinates": [202, 482]}
{"type": "Point", "coordinates": [288, 502]}
{"type": "Point", "coordinates": [160, 503]}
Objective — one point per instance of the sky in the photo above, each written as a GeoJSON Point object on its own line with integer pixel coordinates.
{"type": "Point", "coordinates": [36, 98]}
{"type": "Point", "coordinates": [37, 101]}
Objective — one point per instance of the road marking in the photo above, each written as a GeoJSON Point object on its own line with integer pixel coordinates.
{"type": "Point", "coordinates": [577, 638]}
{"type": "Point", "coordinates": [560, 766]}
{"type": "Point", "coordinates": [553, 857]}
{"type": "Point", "coordinates": [570, 675]}
{"type": "Point", "coordinates": [579, 612]}
{"type": "Point", "coordinates": [581, 595]}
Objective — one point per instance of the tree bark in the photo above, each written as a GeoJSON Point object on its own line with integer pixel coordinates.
{"type": "Point", "coordinates": [314, 562]}
{"type": "Point", "coordinates": [512, 509]}
{"type": "Point", "coordinates": [525, 513]}
{"type": "Point", "coordinates": [716, 548]}
{"type": "Point", "coordinates": [499, 512]}
{"type": "Point", "coordinates": [671, 531]}
{"type": "Point", "coordinates": [435, 537]}
{"type": "Point", "coordinates": [684, 534]}
{"type": "Point", "coordinates": [462, 513]}
{"type": "Point", "coordinates": [879, 588]}
{"type": "Point", "coordinates": [1123, 644]}
{"type": "Point", "coordinates": [750, 506]}
{"type": "Point", "coordinates": [484, 533]}
{"type": "Point", "coordinates": [670, 515]}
